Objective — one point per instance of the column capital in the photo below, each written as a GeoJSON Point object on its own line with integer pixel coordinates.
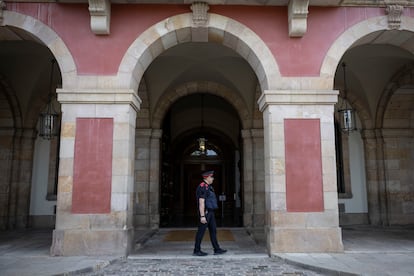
{"type": "Point", "coordinates": [257, 133]}
{"type": "Point", "coordinates": [297, 97]}
{"type": "Point", "coordinates": [387, 133]}
{"type": "Point", "coordinates": [156, 133]}
{"type": "Point", "coordinates": [397, 133]}
{"type": "Point", "coordinates": [252, 133]}
{"type": "Point", "coordinates": [371, 134]}
{"type": "Point", "coordinates": [99, 96]}
{"type": "Point", "coordinates": [143, 132]}
{"type": "Point", "coordinates": [245, 133]}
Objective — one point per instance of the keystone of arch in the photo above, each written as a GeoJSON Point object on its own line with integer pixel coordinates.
{"type": "Point", "coordinates": [178, 29]}
{"type": "Point", "coordinates": [49, 38]}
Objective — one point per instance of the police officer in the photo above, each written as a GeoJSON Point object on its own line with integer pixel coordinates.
{"type": "Point", "coordinates": [207, 203]}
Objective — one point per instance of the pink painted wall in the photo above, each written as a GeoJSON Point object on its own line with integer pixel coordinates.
{"type": "Point", "coordinates": [102, 55]}
{"type": "Point", "coordinates": [304, 186]}
{"type": "Point", "coordinates": [92, 174]}
{"type": "Point", "coordinates": [298, 56]}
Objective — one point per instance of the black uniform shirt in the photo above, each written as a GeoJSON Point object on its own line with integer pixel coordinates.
{"type": "Point", "coordinates": [206, 191]}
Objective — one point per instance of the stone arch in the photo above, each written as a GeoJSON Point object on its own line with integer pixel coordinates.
{"type": "Point", "coordinates": [172, 95]}
{"type": "Point", "coordinates": [403, 77]}
{"type": "Point", "coordinates": [13, 103]}
{"type": "Point", "coordinates": [49, 38]}
{"type": "Point", "coordinates": [350, 39]}
{"type": "Point", "coordinates": [178, 29]}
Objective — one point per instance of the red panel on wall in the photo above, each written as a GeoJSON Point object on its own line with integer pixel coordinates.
{"type": "Point", "coordinates": [92, 174]}
{"type": "Point", "coordinates": [304, 191]}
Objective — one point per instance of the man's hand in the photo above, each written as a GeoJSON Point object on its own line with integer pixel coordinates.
{"type": "Point", "coordinates": [203, 220]}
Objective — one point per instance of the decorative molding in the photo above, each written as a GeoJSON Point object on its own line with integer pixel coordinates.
{"type": "Point", "coordinates": [100, 11]}
{"type": "Point", "coordinates": [297, 97]}
{"type": "Point", "coordinates": [374, 3]}
{"type": "Point", "coordinates": [394, 12]}
{"type": "Point", "coordinates": [2, 7]}
{"type": "Point", "coordinates": [298, 15]}
{"type": "Point", "coordinates": [99, 96]}
{"type": "Point", "coordinates": [200, 15]}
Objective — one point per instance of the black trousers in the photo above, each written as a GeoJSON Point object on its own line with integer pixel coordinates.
{"type": "Point", "coordinates": [212, 229]}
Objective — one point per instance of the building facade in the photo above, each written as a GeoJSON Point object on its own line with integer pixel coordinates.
{"type": "Point", "coordinates": [151, 93]}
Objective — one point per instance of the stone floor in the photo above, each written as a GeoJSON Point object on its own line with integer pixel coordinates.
{"type": "Point", "coordinates": [368, 251]}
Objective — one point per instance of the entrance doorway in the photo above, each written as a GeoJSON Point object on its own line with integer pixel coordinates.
{"type": "Point", "coordinates": [182, 165]}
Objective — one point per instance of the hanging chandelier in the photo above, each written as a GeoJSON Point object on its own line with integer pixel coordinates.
{"type": "Point", "coordinates": [346, 113]}
{"type": "Point", "coordinates": [49, 118]}
{"type": "Point", "coordinates": [202, 145]}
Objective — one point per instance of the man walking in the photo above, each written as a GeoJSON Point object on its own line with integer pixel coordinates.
{"type": "Point", "coordinates": [207, 203]}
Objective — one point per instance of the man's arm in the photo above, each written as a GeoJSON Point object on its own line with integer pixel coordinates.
{"type": "Point", "coordinates": [201, 208]}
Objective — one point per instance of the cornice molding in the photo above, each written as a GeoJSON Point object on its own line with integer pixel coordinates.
{"type": "Point", "coordinates": [297, 97]}
{"type": "Point", "coordinates": [99, 96]}
{"type": "Point", "coordinates": [298, 17]}
{"type": "Point", "coordinates": [375, 3]}
{"type": "Point", "coordinates": [316, 3]}
{"type": "Point", "coordinates": [100, 11]}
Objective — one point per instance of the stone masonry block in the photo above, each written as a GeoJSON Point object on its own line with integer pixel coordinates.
{"type": "Point", "coordinates": [65, 184]}
{"type": "Point", "coordinates": [91, 243]}
{"type": "Point", "coordinates": [304, 240]}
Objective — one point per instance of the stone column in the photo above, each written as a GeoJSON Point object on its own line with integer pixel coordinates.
{"type": "Point", "coordinates": [154, 180]}
{"type": "Point", "coordinates": [258, 178]}
{"type": "Point", "coordinates": [83, 228]}
{"type": "Point", "coordinates": [397, 191]}
{"type": "Point", "coordinates": [20, 178]}
{"type": "Point", "coordinates": [300, 174]}
{"type": "Point", "coordinates": [388, 163]}
{"type": "Point", "coordinates": [147, 178]}
{"type": "Point", "coordinates": [248, 191]}
{"type": "Point", "coordinates": [253, 179]}
{"type": "Point", "coordinates": [142, 178]}
{"type": "Point", "coordinates": [374, 164]}
{"type": "Point", "coordinates": [22, 172]}
{"type": "Point", "coordinates": [6, 156]}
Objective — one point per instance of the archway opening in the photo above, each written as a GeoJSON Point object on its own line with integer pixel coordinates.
{"type": "Point", "coordinates": [170, 112]}
{"type": "Point", "coordinates": [27, 84]}
{"type": "Point", "coordinates": [379, 88]}
{"type": "Point", "coordinates": [190, 118]}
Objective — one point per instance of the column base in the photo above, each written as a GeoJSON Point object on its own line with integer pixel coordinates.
{"type": "Point", "coordinates": [304, 240]}
{"type": "Point", "coordinates": [71, 242]}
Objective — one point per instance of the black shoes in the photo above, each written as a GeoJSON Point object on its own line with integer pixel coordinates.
{"type": "Point", "coordinates": [219, 251]}
{"type": "Point", "coordinates": [216, 252]}
{"type": "Point", "coordinates": [199, 253]}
